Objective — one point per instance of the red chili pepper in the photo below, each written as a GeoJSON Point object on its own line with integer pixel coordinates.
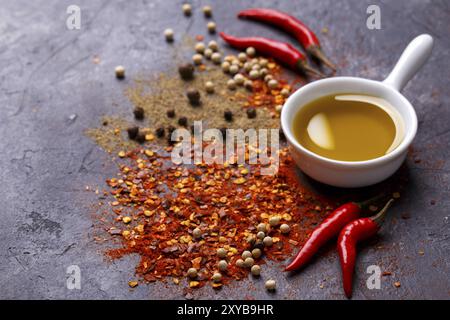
{"type": "Point", "coordinates": [328, 229]}
{"type": "Point", "coordinates": [354, 232]}
{"type": "Point", "coordinates": [298, 29]}
{"type": "Point", "coordinates": [281, 51]}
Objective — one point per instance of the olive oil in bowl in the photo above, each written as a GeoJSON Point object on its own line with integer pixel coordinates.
{"type": "Point", "coordinates": [349, 127]}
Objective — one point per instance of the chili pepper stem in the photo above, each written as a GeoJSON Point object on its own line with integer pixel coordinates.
{"type": "Point", "coordinates": [304, 67]}
{"type": "Point", "coordinates": [316, 52]}
{"type": "Point", "coordinates": [379, 217]}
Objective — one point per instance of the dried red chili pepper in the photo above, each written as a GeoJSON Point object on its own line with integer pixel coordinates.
{"type": "Point", "coordinates": [281, 51]}
{"type": "Point", "coordinates": [292, 25]}
{"type": "Point", "coordinates": [328, 229]}
{"type": "Point", "coordinates": [354, 232]}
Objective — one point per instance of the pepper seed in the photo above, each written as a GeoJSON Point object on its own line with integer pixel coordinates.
{"type": "Point", "coordinates": [133, 132]}
{"type": "Point", "coordinates": [251, 113]}
{"type": "Point", "coordinates": [138, 113]}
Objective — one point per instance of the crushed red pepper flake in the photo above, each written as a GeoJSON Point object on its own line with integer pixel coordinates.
{"type": "Point", "coordinates": [149, 190]}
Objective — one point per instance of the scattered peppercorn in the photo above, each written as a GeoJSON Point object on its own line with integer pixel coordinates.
{"type": "Point", "coordinates": [231, 84]}
{"type": "Point", "coordinates": [193, 96]}
{"type": "Point", "coordinates": [207, 11]}
{"type": "Point", "coordinates": [160, 132]}
{"type": "Point", "coordinates": [222, 265]}
{"type": "Point", "coordinates": [240, 263]}
{"type": "Point", "coordinates": [197, 58]}
{"type": "Point", "coordinates": [187, 9]}
{"type": "Point", "coordinates": [273, 84]}
{"type": "Point", "coordinates": [262, 227]}
{"type": "Point", "coordinates": [260, 235]}
{"type": "Point", "coordinates": [168, 33]}
{"type": "Point", "coordinates": [133, 132]}
{"type": "Point", "coordinates": [213, 45]}
{"type": "Point", "coordinates": [256, 270]}
{"type": "Point", "coordinates": [216, 57]}
{"type": "Point", "coordinates": [250, 51]}
{"type": "Point", "coordinates": [171, 113]}
{"type": "Point", "coordinates": [228, 115]}
{"type": "Point", "coordinates": [120, 72]}
{"type": "Point", "coordinates": [221, 253]}
{"type": "Point", "coordinates": [217, 277]}
{"type": "Point", "coordinates": [138, 113]}
{"type": "Point", "coordinates": [200, 47]}
{"type": "Point", "coordinates": [256, 253]}
{"type": "Point", "coordinates": [211, 27]}
{"type": "Point", "coordinates": [182, 121]}
{"type": "Point", "coordinates": [268, 241]}
{"type": "Point", "coordinates": [249, 262]}
{"type": "Point", "coordinates": [186, 71]}
{"type": "Point", "coordinates": [284, 228]}
{"type": "Point", "coordinates": [270, 285]}
{"type": "Point", "coordinates": [246, 254]}
{"type": "Point", "coordinates": [140, 137]}
{"type": "Point", "coordinates": [208, 53]}
{"type": "Point", "coordinates": [197, 233]}
{"type": "Point", "coordinates": [192, 273]}
{"type": "Point", "coordinates": [209, 86]}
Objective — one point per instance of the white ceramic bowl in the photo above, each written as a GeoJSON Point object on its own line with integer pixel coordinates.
{"type": "Point", "coordinates": [352, 174]}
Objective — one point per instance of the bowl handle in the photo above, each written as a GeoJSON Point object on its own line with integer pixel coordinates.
{"type": "Point", "coordinates": [412, 59]}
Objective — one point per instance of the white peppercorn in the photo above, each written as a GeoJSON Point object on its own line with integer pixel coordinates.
{"type": "Point", "coordinates": [192, 273]}
{"type": "Point", "coordinates": [200, 47]}
{"type": "Point", "coordinates": [168, 33]}
{"type": "Point", "coordinates": [256, 270]}
{"type": "Point", "coordinates": [222, 265]}
{"type": "Point", "coordinates": [209, 86]}
{"type": "Point", "coordinates": [226, 66]}
{"type": "Point", "coordinates": [263, 62]}
{"type": "Point", "coordinates": [120, 72]}
{"type": "Point", "coordinates": [254, 74]}
{"type": "Point", "coordinates": [260, 235]}
{"type": "Point", "coordinates": [249, 262]}
{"type": "Point", "coordinates": [285, 92]}
{"type": "Point", "coordinates": [263, 72]}
{"type": "Point", "coordinates": [274, 221]}
{"type": "Point", "coordinates": [231, 85]}
{"type": "Point", "coordinates": [262, 227]}
{"type": "Point", "coordinates": [250, 51]}
{"type": "Point", "coordinates": [256, 253]}
{"type": "Point", "coordinates": [268, 78]}
{"type": "Point", "coordinates": [213, 45]}
{"type": "Point", "coordinates": [217, 277]}
{"type": "Point", "coordinates": [187, 9]}
{"type": "Point", "coordinates": [270, 285]}
{"type": "Point", "coordinates": [240, 263]}
{"type": "Point", "coordinates": [273, 84]}
{"type": "Point", "coordinates": [284, 228]}
{"type": "Point", "coordinates": [208, 53]}
{"type": "Point", "coordinates": [242, 57]}
{"type": "Point", "coordinates": [207, 11]}
{"type": "Point", "coordinates": [248, 84]}
{"type": "Point", "coordinates": [197, 233]}
{"type": "Point", "coordinates": [234, 69]}
{"type": "Point", "coordinates": [216, 57]}
{"type": "Point", "coordinates": [197, 58]}
{"type": "Point", "coordinates": [268, 241]}
{"type": "Point", "coordinates": [239, 79]}
{"type": "Point", "coordinates": [221, 253]}
{"type": "Point", "coordinates": [211, 27]}
{"type": "Point", "coordinates": [246, 254]}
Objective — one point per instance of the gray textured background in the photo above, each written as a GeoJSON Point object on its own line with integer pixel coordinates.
{"type": "Point", "coordinates": [47, 75]}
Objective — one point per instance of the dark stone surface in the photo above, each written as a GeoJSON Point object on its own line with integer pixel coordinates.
{"type": "Point", "coordinates": [47, 75]}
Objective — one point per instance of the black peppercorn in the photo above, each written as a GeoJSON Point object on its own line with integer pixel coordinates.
{"type": "Point", "coordinates": [259, 244]}
{"type": "Point", "coordinates": [251, 113]}
{"type": "Point", "coordinates": [171, 113]}
{"type": "Point", "coordinates": [186, 71]}
{"type": "Point", "coordinates": [105, 122]}
{"type": "Point", "coordinates": [133, 132]}
{"type": "Point", "coordinates": [182, 121]}
{"type": "Point", "coordinates": [160, 132]}
{"type": "Point", "coordinates": [138, 113]}
{"type": "Point", "coordinates": [228, 115]}
{"type": "Point", "coordinates": [193, 96]}
{"type": "Point", "coordinates": [140, 137]}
